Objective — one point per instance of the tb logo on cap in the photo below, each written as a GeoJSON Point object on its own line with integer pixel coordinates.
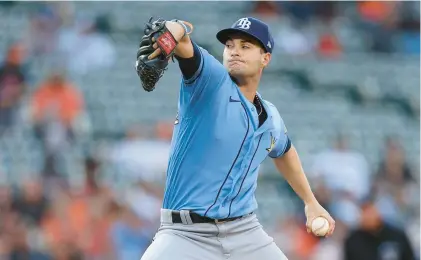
{"type": "Point", "coordinates": [244, 23]}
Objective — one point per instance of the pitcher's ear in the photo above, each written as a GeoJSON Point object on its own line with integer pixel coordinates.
{"type": "Point", "coordinates": [266, 57]}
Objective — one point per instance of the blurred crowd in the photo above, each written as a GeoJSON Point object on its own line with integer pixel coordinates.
{"type": "Point", "coordinates": [377, 213]}
{"type": "Point", "coordinates": [332, 28]}
{"type": "Point", "coordinates": [76, 42]}
{"type": "Point", "coordinates": [43, 220]}
{"type": "Point", "coordinates": [44, 217]}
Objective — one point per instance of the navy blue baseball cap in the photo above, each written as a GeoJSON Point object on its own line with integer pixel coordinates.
{"type": "Point", "coordinates": [252, 27]}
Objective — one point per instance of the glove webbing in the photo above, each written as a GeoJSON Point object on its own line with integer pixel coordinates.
{"type": "Point", "coordinates": [148, 75]}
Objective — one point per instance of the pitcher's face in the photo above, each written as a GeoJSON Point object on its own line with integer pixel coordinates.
{"type": "Point", "coordinates": [244, 56]}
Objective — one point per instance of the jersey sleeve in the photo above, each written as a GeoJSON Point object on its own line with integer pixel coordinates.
{"type": "Point", "coordinates": [189, 66]}
{"type": "Point", "coordinates": [282, 140]}
{"type": "Point", "coordinates": [208, 76]}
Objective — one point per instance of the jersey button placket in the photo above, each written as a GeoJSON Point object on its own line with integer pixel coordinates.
{"type": "Point", "coordinates": [248, 155]}
{"type": "Point", "coordinates": [255, 117]}
{"type": "Point", "coordinates": [250, 144]}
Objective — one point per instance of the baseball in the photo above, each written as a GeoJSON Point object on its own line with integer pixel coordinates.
{"type": "Point", "coordinates": [320, 226]}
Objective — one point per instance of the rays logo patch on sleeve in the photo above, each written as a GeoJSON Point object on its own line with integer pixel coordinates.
{"type": "Point", "coordinates": [272, 143]}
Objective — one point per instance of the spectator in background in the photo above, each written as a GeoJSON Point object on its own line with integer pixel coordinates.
{"type": "Point", "coordinates": [130, 236]}
{"type": "Point", "coordinates": [86, 46]}
{"type": "Point", "coordinates": [56, 225]}
{"type": "Point", "coordinates": [143, 158]}
{"type": "Point", "coordinates": [144, 162]}
{"type": "Point", "coordinates": [79, 221]}
{"type": "Point", "coordinates": [100, 213]}
{"type": "Point", "coordinates": [30, 207]}
{"type": "Point", "coordinates": [31, 204]}
{"type": "Point", "coordinates": [19, 245]}
{"type": "Point", "coordinates": [343, 171]}
{"type": "Point", "coordinates": [41, 38]}
{"type": "Point", "coordinates": [12, 85]}
{"type": "Point", "coordinates": [266, 9]}
{"type": "Point", "coordinates": [329, 45]}
{"type": "Point", "coordinates": [91, 176]}
{"type": "Point", "coordinates": [66, 225]}
{"type": "Point", "coordinates": [100, 221]}
{"type": "Point", "coordinates": [56, 107]}
{"type": "Point", "coordinates": [293, 38]}
{"type": "Point", "coordinates": [344, 175]}
{"type": "Point", "coordinates": [17, 241]}
{"type": "Point", "coordinates": [379, 21]}
{"type": "Point", "coordinates": [394, 169]}
{"type": "Point", "coordinates": [408, 38]}
{"type": "Point", "coordinates": [395, 185]}
{"type": "Point", "coordinates": [375, 239]}
{"type": "Point", "coordinates": [67, 252]}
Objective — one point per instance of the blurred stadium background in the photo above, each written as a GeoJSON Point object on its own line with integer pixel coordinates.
{"type": "Point", "coordinates": [83, 149]}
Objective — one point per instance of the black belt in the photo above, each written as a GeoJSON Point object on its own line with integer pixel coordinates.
{"type": "Point", "coordinates": [196, 218]}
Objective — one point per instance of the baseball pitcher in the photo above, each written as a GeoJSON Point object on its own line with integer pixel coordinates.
{"type": "Point", "coordinates": [223, 131]}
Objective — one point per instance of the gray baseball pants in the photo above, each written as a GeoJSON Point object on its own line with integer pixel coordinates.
{"type": "Point", "coordinates": [241, 239]}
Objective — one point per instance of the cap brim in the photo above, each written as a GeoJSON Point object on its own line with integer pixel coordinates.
{"type": "Point", "coordinates": [224, 35]}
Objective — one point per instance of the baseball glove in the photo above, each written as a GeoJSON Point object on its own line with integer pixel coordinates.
{"type": "Point", "coordinates": [151, 70]}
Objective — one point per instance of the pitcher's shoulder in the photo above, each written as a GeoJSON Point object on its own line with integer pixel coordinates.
{"type": "Point", "coordinates": [273, 111]}
{"type": "Point", "coordinates": [275, 115]}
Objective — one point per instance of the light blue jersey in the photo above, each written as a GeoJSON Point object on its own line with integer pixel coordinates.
{"type": "Point", "coordinates": [218, 146]}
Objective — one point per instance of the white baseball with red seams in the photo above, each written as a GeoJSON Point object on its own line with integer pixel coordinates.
{"type": "Point", "coordinates": [320, 226]}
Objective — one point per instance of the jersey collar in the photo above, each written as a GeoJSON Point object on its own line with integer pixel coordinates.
{"type": "Point", "coordinates": [268, 124]}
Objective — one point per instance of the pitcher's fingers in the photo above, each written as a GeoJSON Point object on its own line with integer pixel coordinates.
{"type": "Point", "coordinates": [154, 54]}
{"type": "Point", "coordinates": [331, 228]}
{"type": "Point", "coordinates": [308, 226]}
